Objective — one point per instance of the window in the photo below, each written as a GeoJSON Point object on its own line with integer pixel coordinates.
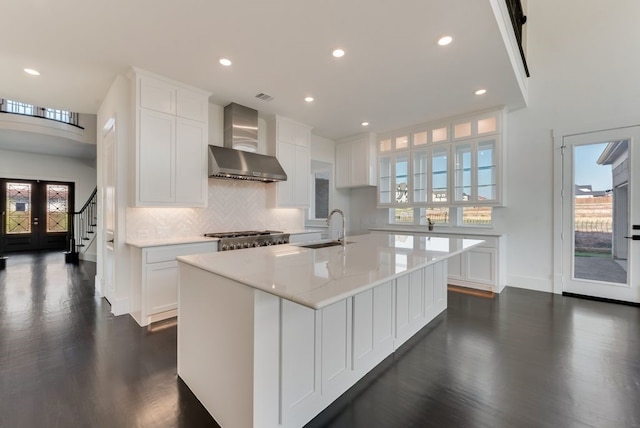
{"type": "Point", "coordinates": [403, 215]}
{"type": "Point", "coordinates": [320, 185]}
{"type": "Point", "coordinates": [475, 216]}
{"type": "Point", "coordinates": [455, 165]}
{"type": "Point", "coordinates": [17, 107]}
{"type": "Point", "coordinates": [443, 216]}
{"type": "Point", "coordinates": [437, 215]}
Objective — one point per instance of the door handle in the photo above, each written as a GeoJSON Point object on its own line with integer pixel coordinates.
{"type": "Point", "coordinates": [633, 237]}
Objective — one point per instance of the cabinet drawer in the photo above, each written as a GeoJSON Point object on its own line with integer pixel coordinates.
{"type": "Point", "coordinates": [158, 96]}
{"type": "Point", "coordinates": [170, 252]}
{"type": "Point", "coordinates": [192, 105]}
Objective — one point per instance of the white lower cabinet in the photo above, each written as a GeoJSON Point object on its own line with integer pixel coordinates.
{"type": "Point", "coordinates": [154, 279]}
{"type": "Point", "coordinates": [481, 267]}
{"type": "Point", "coordinates": [336, 346]}
{"type": "Point", "coordinates": [372, 327]}
{"type": "Point", "coordinates": [258, 360]}
{"type": "Point", "coordinates": [420, 297]}
{"type": "Point", "coordinates": [299, 369]}
{"type": "Point", "coordinates": [162, 287]}
{"type": "Point", "coordinates": [325, 352]}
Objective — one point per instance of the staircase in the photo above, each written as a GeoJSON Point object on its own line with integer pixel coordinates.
{"type": "Point", "coordinates": [82, 230]}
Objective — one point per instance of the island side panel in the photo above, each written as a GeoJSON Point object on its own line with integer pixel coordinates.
{"type": "Point", "coordinates": [266, 365]}
{"type": "Point", "coordinates": [216, 344]}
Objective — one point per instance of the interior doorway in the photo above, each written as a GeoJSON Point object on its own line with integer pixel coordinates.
{"type": "Point", "coordinates": [35, 214]}
{"type": "Point", "coordinates": [599, 213]}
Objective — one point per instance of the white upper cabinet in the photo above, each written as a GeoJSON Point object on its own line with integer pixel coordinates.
{"type": "Point", "coordinates": [356, 162]}
{"type": "Point", "coordinates": [171, 142]}
{"type": "Point", "coordinates": [453, 163]}
{"type": "Point", "coordinates": [290, 143]}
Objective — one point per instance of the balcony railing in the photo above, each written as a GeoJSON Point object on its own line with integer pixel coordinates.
{"type": "Point", "coordinates": [17, 107]}
{"type": "Point", "coordinates": [518, 19]}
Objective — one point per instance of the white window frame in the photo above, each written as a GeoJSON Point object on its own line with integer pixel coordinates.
{"type": "Point", "coordinates": [312, 200]}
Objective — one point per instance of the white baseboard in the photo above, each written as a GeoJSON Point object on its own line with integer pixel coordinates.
{"type": "Point", "coordinates": [88, 257]}
{"type": "Point", "coordinates": [98, 286]}
{"type": "Point", "coordinates": [120, 307]}
{"type": "Point", "coordinates": [530, 283]}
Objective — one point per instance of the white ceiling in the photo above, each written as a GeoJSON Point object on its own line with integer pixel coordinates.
{"type": "Point", "coordinates": [393, 74]}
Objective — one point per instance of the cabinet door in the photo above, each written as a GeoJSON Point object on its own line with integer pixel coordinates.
{"type": "Point", "coordinates": [481, 265]}
{"type": "Point", "coordinates": [343, 165]}
{"type": "Point", "coordinates": [162, 287]}
{"type": "Point", "coordinates": [155, 154]}
{"type": "Point", "coordinates": [420, 176]}
{"type": "Point", "coordinates": [372, 327]}
{"type": "Point", "coordinates": [487, 171]}
{"type": "Point", "coordinates": [385, 180]}
{"type": "Point", "coordinates": [191, 167]}
{"type": "Point", "coordinates": [359, 163]}
{"type": "Point", "coordinates": [302, 176]}
{"type": "Point", "coordinates": [456, 266]}
{"type": "Point", "coordinates": [157, 95]}
{"type": "Point", "coordinates": [300, 372]}
{"type": "Point", "coordinates": [336, 346]}
{"type": "Point", "coordinates": [192, 105]}
{"type": "Point", "coordinates": [464, 177]}
{"type": "Point", "coordinates": [297, 164]}
{"type": "Point", "coordinates": [287, 158]}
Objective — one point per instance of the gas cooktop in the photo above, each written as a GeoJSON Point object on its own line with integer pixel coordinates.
{"type": "Point", "coordinates": [248, 238]}
{"type": "Point", "coordinates": [241, 233]}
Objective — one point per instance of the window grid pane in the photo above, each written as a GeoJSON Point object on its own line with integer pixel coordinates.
{"type": "Point", "coordinates": [57, 207]}
{"type": "Point", "coordinates": [477, 215]}
{"type": "Point", "coordinates": [486, 171]}
{"type": "Point", "coordinates": [18, 208]}
{"type": "Point", "coordinates": [439, 175]}
{"type": "Point", "coordinates": [402, 180]}
{"type": "Point", "coordinates": [463, 173]}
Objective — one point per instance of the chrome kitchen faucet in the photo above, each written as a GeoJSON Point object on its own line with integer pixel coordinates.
{"type": "Point", "coordinates": [344, 230]}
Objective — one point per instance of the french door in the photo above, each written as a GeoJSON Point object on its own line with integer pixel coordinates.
{"type": "Point", "coordinates": [35, 214]}
{"type": "Point", "coordinates": [601, 214]}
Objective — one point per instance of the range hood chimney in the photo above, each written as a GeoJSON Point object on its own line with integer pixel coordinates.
{"type": "Point", "coordinates": [240, 128]}
{"type": "Point", "coordinates": [237, 160]}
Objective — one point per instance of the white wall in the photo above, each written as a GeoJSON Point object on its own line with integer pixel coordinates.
{"type": "Point", "coordinates": [34, 166]}
{"type": "Point", "coordinates": [584, 76]}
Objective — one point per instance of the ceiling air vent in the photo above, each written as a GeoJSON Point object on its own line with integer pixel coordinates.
{"type": "Point", "coordinates": [264, 97]}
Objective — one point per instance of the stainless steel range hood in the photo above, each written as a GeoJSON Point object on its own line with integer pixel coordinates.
{"type": "Point", "coordinates": [241, 131]}
{"type": "Point", "coordinates": [242, 165]}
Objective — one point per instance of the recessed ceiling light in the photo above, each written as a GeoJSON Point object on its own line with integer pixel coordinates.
{"type": "Point", "coordinates": [308, 99]}
{"type": "Point", "coordinates": [481, 92]}
{"type": "Point", "coordinates": [338, 53]}
{"type": "Point", "coordinates": [365, 124]}
{"type": "Point", "coordinates": [445, 40]}
{"type": "Point", "coordinates": [32, 72]}
{"type": "Point", "coordinates": [224, 61]}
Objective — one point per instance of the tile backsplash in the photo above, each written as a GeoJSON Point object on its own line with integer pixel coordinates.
{"type": "Point", "coordinates": [233, 205]}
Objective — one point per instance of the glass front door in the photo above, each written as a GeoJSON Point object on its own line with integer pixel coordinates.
{"type": "Point", "coordinates": [35, 214]}
{"type": "Point", "coordinates": [601, 214]}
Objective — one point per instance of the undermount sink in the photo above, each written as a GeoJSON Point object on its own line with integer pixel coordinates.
{"type": "Point", "coordinates": [323, 244]}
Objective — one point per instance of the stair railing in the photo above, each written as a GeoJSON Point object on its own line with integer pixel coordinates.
{"type": "Point", "coordinates": [82, 228]}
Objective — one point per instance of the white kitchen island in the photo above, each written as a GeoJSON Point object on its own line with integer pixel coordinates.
{"type": "Point", "coordinates": [270, 336]}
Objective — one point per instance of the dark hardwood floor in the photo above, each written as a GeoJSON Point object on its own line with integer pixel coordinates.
{"type": "Point", "coordinates": [523, 359]}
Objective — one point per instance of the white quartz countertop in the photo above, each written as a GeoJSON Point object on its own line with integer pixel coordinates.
{"type": "Point", "coordinates": [319, 277]}
{"type": "Point", "coordinates": [144, 243]}
{"type": "Point", "coordinates": [437, 232]}
{"type": "Point", "coordinates": [158, 242]}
